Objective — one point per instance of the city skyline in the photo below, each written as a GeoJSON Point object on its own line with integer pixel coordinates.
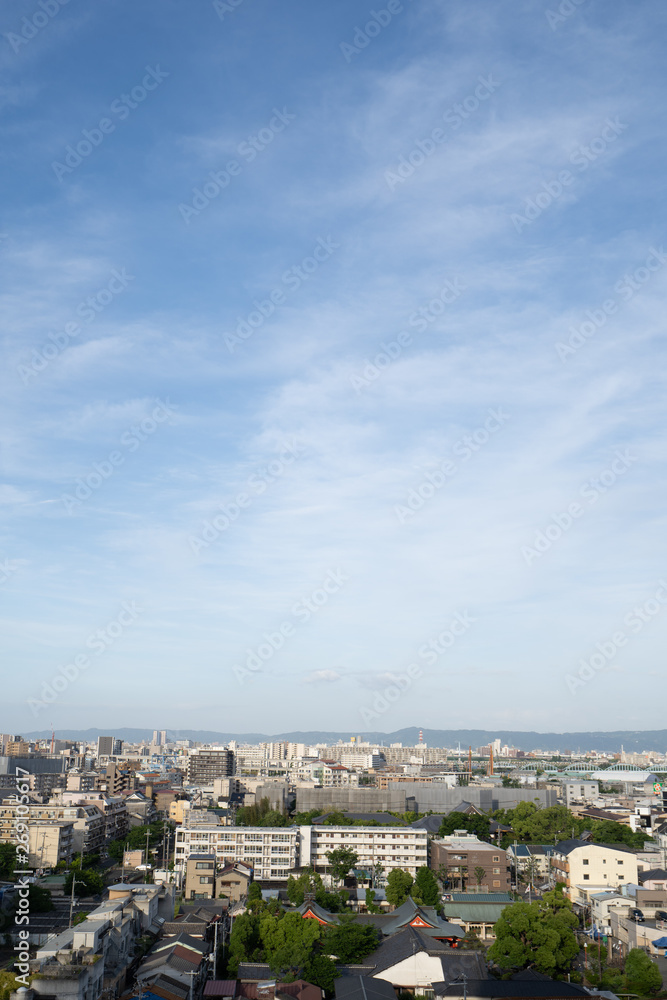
{"type": "Point", "coordinates": [332, 383]}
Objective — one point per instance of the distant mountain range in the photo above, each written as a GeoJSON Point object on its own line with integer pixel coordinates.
{"type": "Point", "coordinates": [610, 742]}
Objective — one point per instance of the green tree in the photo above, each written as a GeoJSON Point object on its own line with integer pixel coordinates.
{"type": "Point", "coordinates": [426, 888]}
{"type": "Point", "coordinates": [93, 883]}
{"type": "Point", "coordinates": [244, 942]}
{"type": "Point", "coordinates": [531, 824]}
{"type": "Point", "coordinates": [341, 859]}
{"type": "Point", "coordinates": [606, 831]}
{"type": "Point", "coordinates": [641, 974]}
{"type": "Point", "coordinates": [7, 862]}
{"type": "Point", "coordinates": [399, 884]}
{"type": "Point", "coordinates": [321, 971]}
{"type": "Point", "coordinates": [39, 899]}
{"type": "Point", "coordinates": [537, 934]}
{"type": "Point", "coordinates": [116, 849]}
{"type": "Point", "coordinates": [371, 905]}
{"type": "Point", "coordinates": [530, 872]}
{"type": "Point", "coordinates": [349, 941]}
{"type": "Point", "coordinates": [255, 899]}
{"type": "Point", "coordinates": [471, 941]}
{"type": "Point", "coordinates": [480, 874]}
{"type": "Point", "coordinates": [288, 941]}
{"type": "Point", "coordinates": [478, 825]}
{"type": "Point", "coordinates": [261, 814]}
{"type": "Point", "coordinates": [310, 881]}
{"type": "Point", "coordinates": [337, 818]}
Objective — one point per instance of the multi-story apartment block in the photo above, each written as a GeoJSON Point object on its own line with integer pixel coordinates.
{"type": "Point", "coordinates": [112, 807]}
{"type": "Point", "coordinates": [471, 863]}
{"type": "Point", "coordinates": [205, 764]}
{"type": "Point", "coordinates": [272, 852]}
{"type": "Point", "coordinates": [580, 792]}
{"type": "Point", "coordinates": [586, 868]}
{"type": "Point", "coordinates": [391, 847]}
{"type": "Point", "coordinates": [80, 826]}
{"type": "Point", "coordinates": [80, 780]}
{"type": "Point", "coordinates": [49, 840]}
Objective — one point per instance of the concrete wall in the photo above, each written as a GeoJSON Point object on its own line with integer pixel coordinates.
{"type": "Point", "coordinates": [420, 797]}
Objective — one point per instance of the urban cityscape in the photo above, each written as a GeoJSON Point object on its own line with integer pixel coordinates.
{"type": "Point", "coordinates": [332, 482]}
{"type": "Point", "coordinates": [170, 868]}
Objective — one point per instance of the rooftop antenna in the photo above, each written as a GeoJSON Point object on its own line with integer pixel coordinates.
{"type": "Point", "coordinates": [53, 739]}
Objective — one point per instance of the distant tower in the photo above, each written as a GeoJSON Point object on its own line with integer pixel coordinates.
{"type": "Point", "coordinates": [421, 735]}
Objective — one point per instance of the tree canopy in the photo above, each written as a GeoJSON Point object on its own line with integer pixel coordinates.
{"type": "Point", "coordinates": [425, 889]}
{"type": "Point", "coordinates": [290, 944]}
{"type": "Point", "coordinates": [39, 899]}
{"type": "Point", "coordinates": [641, 974]}
{"type": "Point", "coordinates": [7, 862]}
{"type": "Point", "coordinates": [261, 814]}
{"type": "Point", "coordinates": [399, 884]}
{"type": "Point", "coordinates": [479, 825]}
{"type": "Point", "coordinates": [341, 859]}
{"type": "Point", "coordinates": [88, 882]}
{"type": "Point", "coordinates": [310, 881]}
{"type": "Point", "coordinates": [539, 934]}
{"type": "Point", "coordinates": [350, 941]}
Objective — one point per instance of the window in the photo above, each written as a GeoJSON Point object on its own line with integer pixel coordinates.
{"type": "Point", "coordinates": [496, 871]}
{"type": "Point", "coordinates": [204, 864]}
{"type": "Point", "coordinates": [205, 879]}
{"type": "Point", "coordinates": [496, 882]}
{"type": "Point", "coordinates": [586, 877]}
{"type": "Point", "coordinates": [496, 858]}
{"type": "Point", "coordinates": [585, 861]}
{"type": "Point", "coordinates": [619, 862]}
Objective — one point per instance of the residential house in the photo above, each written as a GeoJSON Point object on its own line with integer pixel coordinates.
{"type": "Point", "coordinates": [233, 880]}
{"type": "Point", "coordinates": [200, 876]}
{"type": "Point", "coordinates": [653, 878]}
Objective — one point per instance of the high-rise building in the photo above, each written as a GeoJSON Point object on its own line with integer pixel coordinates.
{"type": "Point", "coordinates": [108, 746]}
{"type": "Point", "coordinates": [207, 763]}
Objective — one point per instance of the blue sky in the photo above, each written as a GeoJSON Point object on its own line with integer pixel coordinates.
{"type": "Point", "coordinates": [396, 374]}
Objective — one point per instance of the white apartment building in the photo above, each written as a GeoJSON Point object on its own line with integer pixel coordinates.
{"type": "Point", "coordinates": [272, 852]}
{"type": "Point", "coordinates": [327, 774]}
{"type": "Point", "coordinates": [392, 847]}
{"type": "Point", "coordinates": [580, 792]}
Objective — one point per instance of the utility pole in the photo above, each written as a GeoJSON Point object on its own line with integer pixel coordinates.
{"type": "Point", "coordinates": [215, 950]}
{"type": "Point", "coordinates": [71, 903]}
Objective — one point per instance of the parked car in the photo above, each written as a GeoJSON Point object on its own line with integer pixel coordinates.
{"type": "Point", "coordinates": [636, 915]}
